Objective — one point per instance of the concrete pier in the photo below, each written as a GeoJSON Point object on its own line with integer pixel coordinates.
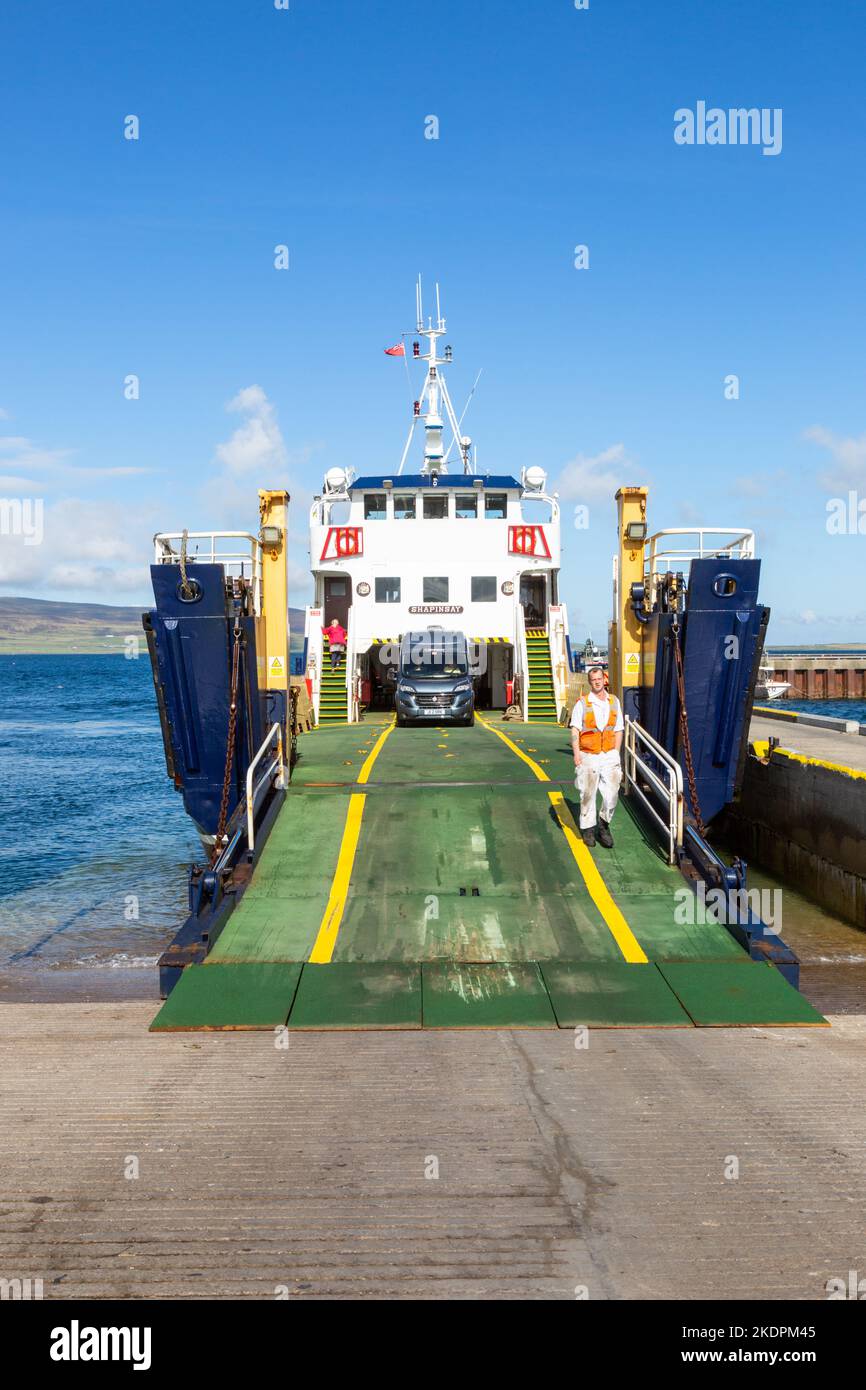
{"type": "Point", "coordinates": [801, 813]}
{"type": "Point", "coordinates": [495, 1164]}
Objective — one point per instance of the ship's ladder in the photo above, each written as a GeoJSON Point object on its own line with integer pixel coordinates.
{"type": "Point", "coordinates": [333, 704]}
{"type": "Point", "coordinates": [541, 697]}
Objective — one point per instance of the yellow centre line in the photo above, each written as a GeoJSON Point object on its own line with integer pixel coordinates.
{"type": "Point", "coordinates": [326, 938]}
{"type": "Point", "coordinates": [595, 884]}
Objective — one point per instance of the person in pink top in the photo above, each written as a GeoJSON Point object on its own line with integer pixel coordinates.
{"type": "Point", "coordinates": [336, 636]}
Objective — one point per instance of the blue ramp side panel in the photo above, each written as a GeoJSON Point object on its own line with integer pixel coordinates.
{"type": "Point", "coordinates": [191, 654]}
{"type": "Point", "coordinates": [721, 636]}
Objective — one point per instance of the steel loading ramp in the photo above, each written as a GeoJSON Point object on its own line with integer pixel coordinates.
{"type": "Point", "coordinates": [436, 878]}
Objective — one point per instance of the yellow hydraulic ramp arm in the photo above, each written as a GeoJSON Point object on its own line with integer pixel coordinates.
{"type": "Point", "coordinates": [625, 631]}
{"type": "Point", "coordinates": [272, 627]}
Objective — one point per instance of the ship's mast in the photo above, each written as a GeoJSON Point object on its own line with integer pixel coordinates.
{"type": "Point", "coordinates": [434, 395]}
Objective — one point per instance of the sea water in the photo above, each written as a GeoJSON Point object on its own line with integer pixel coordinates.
{"type": "Point", "coordinates": [94, 841]}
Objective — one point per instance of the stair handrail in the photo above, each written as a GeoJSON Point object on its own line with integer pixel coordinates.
{"type": "Point", "coordinates": [522, 658]}
{"type": "Point", "coordinates": [557, 628]}
{"type": "Point", "coordinates": [315, 651]}
{"type": "Point", "coordinates": [667, 784]}
{"type": "Point", "coordinates": [352, 710]}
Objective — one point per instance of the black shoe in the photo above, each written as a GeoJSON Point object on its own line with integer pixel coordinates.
{"type": "Point", "coordinates": [588, 836]}
{"type": "Point", "coordinates": [604, 836]}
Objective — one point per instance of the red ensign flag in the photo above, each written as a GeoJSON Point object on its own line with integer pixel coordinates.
{"type": "Point", "coordinates": [398, 351]}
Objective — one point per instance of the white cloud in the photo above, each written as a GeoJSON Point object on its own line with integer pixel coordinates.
{"type": "Point", "coordinates": [849, 459]}
{"type": "Point", "coordinates": [592, 478]}
{"type": "Point", "coordinates": [758, 484]}
{"type": "Point", "coordinates": [257, 446]}
{"type": "Point", "coordinates": [98, 547]}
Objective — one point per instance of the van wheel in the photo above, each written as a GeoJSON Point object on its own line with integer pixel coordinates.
{"type": "Point", "coordinates": [471, 720]}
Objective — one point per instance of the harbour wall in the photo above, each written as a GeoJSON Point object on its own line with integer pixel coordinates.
{"type": "Point", "coordinates": [820, 677]}
{"type": "Point", "coordinates": [803, 819]}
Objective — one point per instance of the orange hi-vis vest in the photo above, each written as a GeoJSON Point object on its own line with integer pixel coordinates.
{"type": "Point", "coordinates": [593, 739]}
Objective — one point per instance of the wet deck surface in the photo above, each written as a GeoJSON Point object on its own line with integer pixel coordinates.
{"type": "Point", "coordinates": [264, 1171]}
{"type": "Point", "coordinates": [460, 856]}
{"type": "Point", "coordinates": [434, 877]}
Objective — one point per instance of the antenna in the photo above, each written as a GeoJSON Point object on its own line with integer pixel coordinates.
{"type": "Point", "coordinates": [419, 310]}
{"type": "Point", "coordinates": [438, 310]}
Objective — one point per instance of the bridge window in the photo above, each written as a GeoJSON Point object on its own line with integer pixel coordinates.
{"type": "Point", "coordinates": [375, 508]}
{"type": "Point", "coordinates": [467, 504]}
{"type": "Point", "coordinates": [495, 506]}
{"type": "Point", "coordinates": [436, 589]}
{"type": "Point", "coordinates": [435, 507]}
{"type": "Point", "coordinates": [387, 590]}
{"type": "Point", "coordinates": [404, 507]}
{"type": "Point", "coordinates": [484, 588]}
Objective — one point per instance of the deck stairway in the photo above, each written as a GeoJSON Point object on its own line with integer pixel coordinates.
{"type": "Point", "coordinates": [332, 698]}
{"type": "Point", "coordinates": [542, 698]}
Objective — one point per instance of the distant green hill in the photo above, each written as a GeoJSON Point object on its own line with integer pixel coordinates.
{"type": "Point", "coordinates": [35, 625]}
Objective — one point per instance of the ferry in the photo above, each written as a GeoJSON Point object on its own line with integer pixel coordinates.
{"type": "Point", "coordinates": [357, 874]}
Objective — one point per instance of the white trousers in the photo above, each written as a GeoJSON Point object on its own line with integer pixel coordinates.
{"type": "Point", "coordinates": [598, 772]}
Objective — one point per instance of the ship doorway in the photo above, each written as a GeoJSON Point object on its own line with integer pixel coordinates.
{"type": "Point", "coordinates": [338, 599]}
{"type": "Point", "coordinates": [533, 599]}
{"type": "Point", "coordinates": [495, 667]}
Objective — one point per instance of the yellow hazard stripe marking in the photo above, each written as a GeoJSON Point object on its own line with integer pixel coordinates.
{"type": "Point", "coordinates": [761, 747]}
{"type": "Point", "coordinates": [598, 890]}
{"type": "Point", "coordinates": [326, 938]}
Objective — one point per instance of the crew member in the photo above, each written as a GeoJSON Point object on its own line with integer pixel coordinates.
{"type": "Point", "coordinates": [336, 636]}
{"type": "Point", "coordinates": [596, 738]}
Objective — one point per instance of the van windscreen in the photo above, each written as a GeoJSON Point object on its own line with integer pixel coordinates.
{"type": "Point", "coordinates": [442, 657]}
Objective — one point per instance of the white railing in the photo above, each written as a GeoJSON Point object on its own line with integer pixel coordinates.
{"type": "Point", "coordinates": [353, 680]}
{"type": "Point", "coordinates": [315, 651]}
{"type": "Point", "coordinates": [666, 785]}
{"type": "Point", "coordinates": [276, 765]}
{"type": "Point", "coordinates": [214, 548]}
{"type": "Point", "coordinates": [557, 628]}
{"type": "Point", "coordinates": [661, 558]}
{"type": "Point", "coordinates": [522, 662]}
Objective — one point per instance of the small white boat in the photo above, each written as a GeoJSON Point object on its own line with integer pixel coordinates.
{"type": "Point", "coordinates": [767, 687]}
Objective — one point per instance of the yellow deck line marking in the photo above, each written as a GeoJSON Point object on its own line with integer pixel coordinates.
{"type": "Point", "coordinates": [326, 938]}
{"type": "Point", "coordinates": [595, 884]}
{"type": "Point", "coordinates": [598, 889]}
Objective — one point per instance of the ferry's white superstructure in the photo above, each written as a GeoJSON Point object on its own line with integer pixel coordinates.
{"type": "Point", "coordinates": [395, 551]}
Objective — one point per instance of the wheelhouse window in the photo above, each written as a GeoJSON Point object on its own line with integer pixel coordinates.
{"type": "Point", "coordinates": [467, 504]}
{"type": "Point", "coordinates": [404, 506]}
{"type": "Point", "coordinates": [375, 506]}
{"type": "Point", "coordinates": [495, 506]}
{"type": "Point", "coordinates": [388, 590]}
{"type": "Point", "coordinates": [436, 589]}
{"type": "Point", "coordinates": [435, 507]}
{"type": "Point", "coordinates": [484, 588]}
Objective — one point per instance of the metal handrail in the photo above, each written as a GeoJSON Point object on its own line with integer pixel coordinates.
{"type": "Point", "coordinates": [164, 554]}
{"type": "Point", "coordinates": [277, 765]}
{"type": "Point", "coordinates": [669, 792]}
{"type": "Point", "coordinates": [740, 546]}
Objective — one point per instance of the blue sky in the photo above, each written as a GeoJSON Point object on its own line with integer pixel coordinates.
{"type": "Point", "coordinates": [306, 127]}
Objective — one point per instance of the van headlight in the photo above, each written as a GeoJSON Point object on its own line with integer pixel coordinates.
{"type": "Point", "coordinates": [462, 688]}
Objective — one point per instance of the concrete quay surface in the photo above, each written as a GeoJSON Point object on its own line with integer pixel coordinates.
{"type": "Point", "coordinates": [303, 1172]}
{"type": "Point", "coordinates": [829, 745]}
